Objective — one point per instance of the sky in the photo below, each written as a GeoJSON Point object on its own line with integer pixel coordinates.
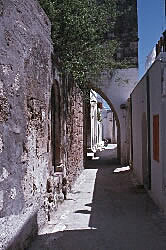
{"type": "Point", "coordinates": [151, 24]}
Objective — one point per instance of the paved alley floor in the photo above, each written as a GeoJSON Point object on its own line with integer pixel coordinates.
{"type": "Point", "coordinates": [105, 211]}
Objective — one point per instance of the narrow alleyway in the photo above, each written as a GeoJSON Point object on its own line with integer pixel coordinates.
{"type": "Point", "coordinates": [105, 211]}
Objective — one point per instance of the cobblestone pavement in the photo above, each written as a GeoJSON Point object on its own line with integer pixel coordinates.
{"type": "Point", "coordinates": [105, 211]}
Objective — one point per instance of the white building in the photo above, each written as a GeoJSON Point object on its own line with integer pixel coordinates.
{"type": "Point", "coordinates": [149, 130]}
{"type": "Point", "coordinates": [96, 122]}
{"type": "Point", "coordinates": [109, 126]}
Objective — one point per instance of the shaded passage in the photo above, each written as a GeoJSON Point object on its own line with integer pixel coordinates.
{"type": "Point", "coordinates": [105, 211]}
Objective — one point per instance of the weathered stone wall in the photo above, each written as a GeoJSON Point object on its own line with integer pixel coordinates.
{"type": "Point", "coordinates": [31, 108]}
{"type": "Point", "coordinates": [25, 79]}
{"type": "Point", "coordinates": [75, 136]}
{"type": "Point", "coordinates": [69, 151]}
{"type": "Point", "coordinates": [126, 32]}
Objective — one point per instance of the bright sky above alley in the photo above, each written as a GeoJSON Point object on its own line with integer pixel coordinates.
{"type": "Point", "coordinates": [151, 24]}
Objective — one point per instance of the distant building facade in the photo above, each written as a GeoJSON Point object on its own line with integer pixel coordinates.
{"type": "Point", "coordinates": [109, 126]}
{"type": "Point", "coordinates": [96, 122]}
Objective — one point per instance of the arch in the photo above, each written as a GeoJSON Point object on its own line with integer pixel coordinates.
{"type": "Point", "coordinates": [100, 92]}
{"type": "Point", "coordinates": [55, 125]}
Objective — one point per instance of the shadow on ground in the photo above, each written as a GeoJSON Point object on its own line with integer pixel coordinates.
{"type": "Point", "coordinates": [122, 217]}
{"type": "Point", "coordinates": [106, 159]}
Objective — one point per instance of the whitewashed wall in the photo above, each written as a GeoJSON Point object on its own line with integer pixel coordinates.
{"type": "Point", "coordinates": [157, 83]}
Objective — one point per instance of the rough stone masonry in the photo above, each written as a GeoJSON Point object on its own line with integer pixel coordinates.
{"type": "Point", "coordinates": [41, 126]}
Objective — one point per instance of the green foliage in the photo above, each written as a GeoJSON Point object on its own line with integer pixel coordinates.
{"type": "Point", "coordinates": [79, 34]}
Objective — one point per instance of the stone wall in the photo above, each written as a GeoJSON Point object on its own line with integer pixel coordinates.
{"type": "Point", "coordinates": [126, 32]}
{"type": "Point", "coordinates": [25, 80]}
{"type": "Point", "coordinates": [75, 135]}
{"type": "Point", "coordinates": [30, 174]}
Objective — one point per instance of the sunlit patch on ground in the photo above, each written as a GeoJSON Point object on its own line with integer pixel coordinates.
{"type": "Point", "coordinates": [122, 169]}
{"type": "Point", "coordinates": [111, 146]}
{"type": "Point", "coordinates": [96, 158]}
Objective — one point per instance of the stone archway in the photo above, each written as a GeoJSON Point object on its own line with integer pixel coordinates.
{"type": "Point", "coordinates": [115, 87]}
{"type": "Point", "coordinates": [99, 91]}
